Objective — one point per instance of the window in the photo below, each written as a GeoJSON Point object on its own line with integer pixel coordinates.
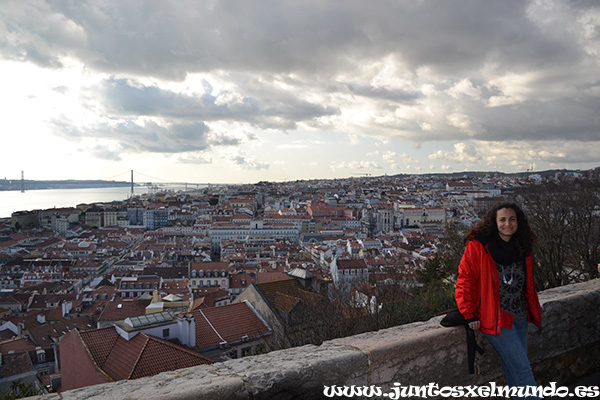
{"type": "Point", "coordinates": [165, 333]}
{"type": "Point", "coordinates": [246, 351]}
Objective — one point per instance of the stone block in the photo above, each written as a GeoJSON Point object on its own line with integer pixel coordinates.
{"type": "Point", "coordinates": [567, 346]}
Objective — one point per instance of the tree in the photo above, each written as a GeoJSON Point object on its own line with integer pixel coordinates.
{"type": "Point", "coordinates": [584, 238]}
{"type": "Point", "coordinates": [438, 277]}
{"type": "Point", "coordinates": [451, 248]}
{"type": "Point", "coordinates": [20, 390]}
{"type": "Point", "coordinates": [565, 218]}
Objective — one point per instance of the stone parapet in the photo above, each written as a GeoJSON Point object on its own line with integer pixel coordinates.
{"type": "Point", "coordinates": [567, 346]}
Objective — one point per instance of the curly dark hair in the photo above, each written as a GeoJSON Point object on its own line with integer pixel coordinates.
{"type": "Point", "coordinates": [524, 237]}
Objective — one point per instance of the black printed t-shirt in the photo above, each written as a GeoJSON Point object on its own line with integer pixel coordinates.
{"type": "Point", "coordinates": [511, 277]}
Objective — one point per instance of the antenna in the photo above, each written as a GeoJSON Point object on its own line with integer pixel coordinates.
{"type": "Point", "coordinates": [132, 184]}
{"type": "Point", "coordinates": [22, 181]}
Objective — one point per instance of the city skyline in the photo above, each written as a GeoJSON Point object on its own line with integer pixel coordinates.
{"type": "Point", "coordinates": [234, 92]}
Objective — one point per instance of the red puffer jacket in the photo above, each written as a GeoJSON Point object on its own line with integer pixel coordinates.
{"type": "Point", "coordinates": [478, 293]}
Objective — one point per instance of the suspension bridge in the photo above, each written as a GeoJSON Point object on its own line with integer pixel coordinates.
{"type": "Point", "coordinates": [155, 184]}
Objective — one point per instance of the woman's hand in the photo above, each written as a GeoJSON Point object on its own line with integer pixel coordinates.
{"type": "Point", "coordinates": [475, 325]}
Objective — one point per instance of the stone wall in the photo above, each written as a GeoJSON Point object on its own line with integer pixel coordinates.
{"type": "Point", "coordinates": [567, 346]}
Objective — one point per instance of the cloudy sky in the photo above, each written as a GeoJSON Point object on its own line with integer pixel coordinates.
{"type": "Point", "coordinates": [243, 91]}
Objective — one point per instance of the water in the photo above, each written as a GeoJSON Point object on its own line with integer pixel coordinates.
{"type": "Point", "coordinates": [11, 201]}
{"type": "Point", "coordinates": [14, 200]}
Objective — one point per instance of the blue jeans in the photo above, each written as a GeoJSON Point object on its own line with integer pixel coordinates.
{"type": "Point", "coordinates": [511, 346]}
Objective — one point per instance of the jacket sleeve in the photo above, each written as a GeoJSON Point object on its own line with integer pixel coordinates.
{"type": "Point", "coordinates": [468, 289]}
{"type": "Point", "coordinates": [533, 302]}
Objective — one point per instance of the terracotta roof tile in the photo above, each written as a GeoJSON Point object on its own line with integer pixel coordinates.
{"type": "Point", "coordinates": [45, 335]}
{"type": "Point", "coordinates": [283, 302]}
{"type": "Point", "coordinates": [128, 308]}
{"type": "Point", "coordinates": [265, 277]}
{"type": "Point", "coordinates": [123, 357]}
{"type": "Point", "coordinates": [100, 342]}
{"type": "Point", "coordinates": [16, 364]}
{"type": "Point", "coordinates": [19, 345]}
{"type": "Point", "coordinates": [7, 334]}
{"type": "Point", "coordinates": [270, 289]}
{"type": "Point", "coordinates": [141, 356]}
{"type": "Point", "coordinates": [351, 264]}
{"type": "Point", "coordinates": [227, 323]}
{"type": "Point", "coordinates": [283, 296]}
{"type": "Point", "coordinates": [160, 355]}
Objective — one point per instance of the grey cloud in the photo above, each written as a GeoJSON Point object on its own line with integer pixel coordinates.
{"type": "Point", "coordinates": [34, 31]}
{"type": "Point", "coordinates": [155, 138]}
{"type": "Point", "coordinates": [194, 159]}
{"type": "Point", "coordinates": [280, 110]}
{"type": "Point", "coordinates": [175, 138]}
{"type": "Point", "coordinates": [309, 37]}
{"type": "Point", "coordinates": [400, 96]}
{"type": "Point", "coordinates": [245, 162]}
{"type": "Point", "coordinates": [105, 153]}
{"type": "Point", "coordinates": [568, 119]}
{"type": "Point", "coordinates": [318, 47]}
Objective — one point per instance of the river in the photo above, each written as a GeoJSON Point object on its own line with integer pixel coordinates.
{"type": "Point", "coordinates": [13, 200]}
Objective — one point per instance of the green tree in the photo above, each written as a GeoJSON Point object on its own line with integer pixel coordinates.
{"type": "Point", "coordinates": [20, 390]}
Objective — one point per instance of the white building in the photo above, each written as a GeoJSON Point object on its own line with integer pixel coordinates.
{"type": "Point", "coordinates": [350, 273]}
{"type": "Point", "coordinates": [410, 215]}
{"type": "Point", "coordinates": [255, 229]}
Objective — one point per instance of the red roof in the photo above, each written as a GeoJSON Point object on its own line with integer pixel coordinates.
{"type": "Point", "coordinates": [119, 309]}
{"type": "Point", "coordinates": [100, 342]}
{"type": "Point", "coordinates": [15, 364]}
{"type": "Point", "coordinates": [19, 345]}
{"type": "Point", "coordinates": [355, 263]}
{"type": "Point", "coordinates": [285, 302]}
{"type": "Point", "coordinates": [47, 334]}
{"type": "Point", "coordinates": [227, 323]}
{"type": "Point", "coordinates": [271, 276]}
{"type": "Point", "coordinates": [18, 236]}
{"type": "Point", "coordinates": [284, 295]}
{"type": "Point", "coordinates": [209, 266]}
{"type": "Point", "coordinates": [8, 243]}
{"type": "Point", "coordinates": [141, 356]}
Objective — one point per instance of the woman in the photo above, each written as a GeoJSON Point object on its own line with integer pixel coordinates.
{"type": "Point", "coordinates": [495, 291]}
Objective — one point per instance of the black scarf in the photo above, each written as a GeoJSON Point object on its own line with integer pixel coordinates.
{"type": "Point", "coordinates": [504, 253]}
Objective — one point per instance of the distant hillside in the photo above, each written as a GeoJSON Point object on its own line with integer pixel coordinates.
{"type": "Point", "coordinates": [478, 174]}
{"type": "Point", "coordinates": [16, 184]}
